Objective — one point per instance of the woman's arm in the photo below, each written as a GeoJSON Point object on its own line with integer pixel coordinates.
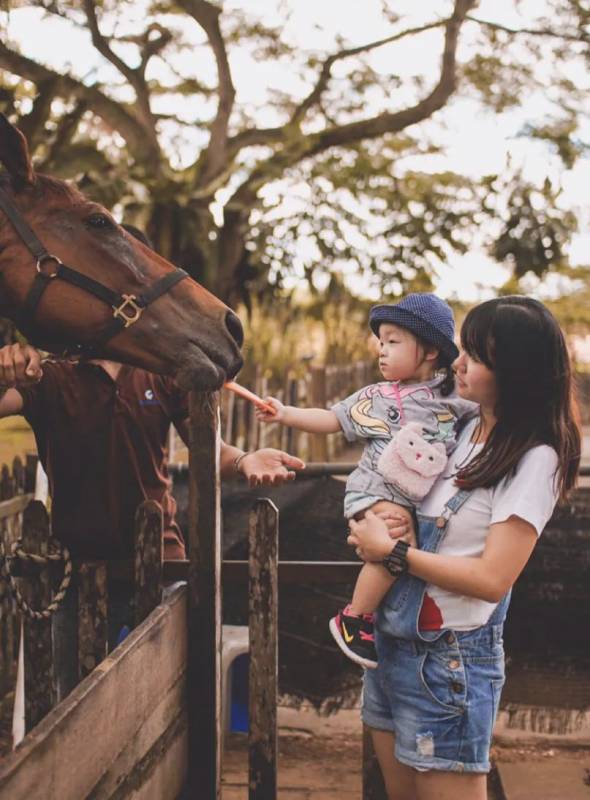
{"type": "Point", "coordinates": [312, 420]}
{"type": "Point", "coordinates": [486, 577]}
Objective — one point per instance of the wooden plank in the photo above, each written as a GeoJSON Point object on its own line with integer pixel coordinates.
{"type": "Point", "coordinates": [18, 474]}
{"type": "Point", "coordinates": [263, 673]}
{"type": "Point", "coordinates": [204, 600]}
{"type": "Point", "coordinates": [149, 554]}
{"type": "Point", "coordinates": [290, 572]}
{"type": "Point", "coordinates": [154, 763]}
{"type": "Point", "coordinates": [373, 786]}
{"type": "Point", "coordinates": [92, 616]}
{"type": "Point", "coordinates": [15, 505]}
{"type": "Point", "coordinates": [315, 572]}
{"type": "Point", "coordinates": [317, 388]}
{"type": "Point", "coordinates": [30, 472]}
{"type": "Point", "coordinates": [39, 679]}
{"type": "Point", "coordinates": [73, 749]}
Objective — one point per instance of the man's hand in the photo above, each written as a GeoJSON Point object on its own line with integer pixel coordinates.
{"type": "Point", "coordinates": [20, 365]}
{"type": "Point", "coordinates": [269, 467]}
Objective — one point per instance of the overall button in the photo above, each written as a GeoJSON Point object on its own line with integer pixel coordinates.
{"type": "Point", "coordinates": [457, 687]}
{"type": "Point", "coordinates": [441, 522]}
{"type": "Point", "coordinates": [454, 664]}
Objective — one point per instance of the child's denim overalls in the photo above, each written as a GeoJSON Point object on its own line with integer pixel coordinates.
{"type": "Point", "coordinates": [438, 691]}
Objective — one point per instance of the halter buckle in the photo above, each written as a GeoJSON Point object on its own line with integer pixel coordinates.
{"type": "Point", "coordinates": [128, 305]}
{"type": "Point", "coordinates": [48, 257]}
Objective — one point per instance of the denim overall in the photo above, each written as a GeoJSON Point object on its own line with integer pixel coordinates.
{"type": "Point", "coordinates": [437, 691]}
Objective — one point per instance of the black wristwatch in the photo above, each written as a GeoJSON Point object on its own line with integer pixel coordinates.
{"type": "Point", "coordinates": [396, 563]}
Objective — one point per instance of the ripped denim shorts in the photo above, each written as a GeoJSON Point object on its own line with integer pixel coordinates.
{"type": "Point", "coordinates": [440, 698]}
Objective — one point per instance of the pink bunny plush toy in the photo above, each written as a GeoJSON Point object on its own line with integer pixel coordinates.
{"type": "Point", "coordinates": [411, 463]}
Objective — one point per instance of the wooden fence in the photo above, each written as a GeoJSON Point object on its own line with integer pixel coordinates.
{"type": "Point", "coordinates": [145, 720]}
{"type": "Point", "coordinates": [16, 490]}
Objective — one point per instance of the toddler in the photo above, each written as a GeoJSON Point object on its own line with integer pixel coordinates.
{"type": "Point", "coordinates": [409, 424]}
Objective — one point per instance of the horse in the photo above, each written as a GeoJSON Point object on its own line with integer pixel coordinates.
{"type": "Point", "coordinates": [73, 280]}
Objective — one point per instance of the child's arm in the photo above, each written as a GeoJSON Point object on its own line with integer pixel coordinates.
{"type": "Point", "coordinates": [311, 420]}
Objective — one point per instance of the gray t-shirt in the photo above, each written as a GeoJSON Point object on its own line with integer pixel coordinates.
{"type": "Point", "coordinates": [375, 414]}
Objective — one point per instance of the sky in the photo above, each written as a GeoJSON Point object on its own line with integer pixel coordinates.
{"type": "Point", "coordinates": [476, 143]}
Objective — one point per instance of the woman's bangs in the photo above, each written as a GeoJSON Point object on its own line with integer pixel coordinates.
{"type": "Point", "coordinates": [476, 338]}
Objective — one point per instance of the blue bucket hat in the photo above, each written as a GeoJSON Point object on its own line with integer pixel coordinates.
{"type": "Point", "coordinates": [426, 316]}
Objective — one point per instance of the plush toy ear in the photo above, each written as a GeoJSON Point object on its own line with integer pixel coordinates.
{"type": "Point", "coordinates": [14, 155]}
{"type": "Point", "coordinates": [440, 447]}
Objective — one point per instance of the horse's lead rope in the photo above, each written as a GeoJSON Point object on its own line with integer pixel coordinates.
{"type": "Point", "coordinates": [7, 576]}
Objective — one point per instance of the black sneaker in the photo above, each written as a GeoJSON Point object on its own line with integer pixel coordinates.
{"type": "Point", "coordinates": [354, 636]}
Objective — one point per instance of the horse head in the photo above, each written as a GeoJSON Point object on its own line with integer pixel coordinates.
{"type": "Point", "coordinates": [71, 277]}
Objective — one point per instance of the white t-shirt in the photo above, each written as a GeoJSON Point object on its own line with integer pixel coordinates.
{"type": "Point", "coordinates": [530, 494]}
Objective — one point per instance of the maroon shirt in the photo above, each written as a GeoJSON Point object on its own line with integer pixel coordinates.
{"type": "Point", "coordinates": [102, 444]}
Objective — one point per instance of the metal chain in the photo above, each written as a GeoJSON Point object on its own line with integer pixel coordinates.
{"type": "Point", "coordinates": [56, 600]}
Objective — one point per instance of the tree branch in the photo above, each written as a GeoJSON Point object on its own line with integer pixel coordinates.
{"type": "Point", "coordinates": [134, 76]}
{"type": "Point", "coordinates": [301, 147]}
{"type": "Point", "coordinates": [113, 113]}
{"type": "Point", "coordinates": [566, 37]}
{"type": "Point", "coordinates": [325, 73]}
{"type": "Point", "coordinates": [215, 157]}
{"type": "Point", "coordinates": [32, 124]}
{"type": "Point", "coordinates": [268, 136]}
{"type": "Point", "coordinates": [66, 131]}
{"type": "Point", "coordinates": [387, 122]}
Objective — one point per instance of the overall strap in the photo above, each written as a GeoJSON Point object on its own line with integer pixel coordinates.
{"type": "Point", "coordinates": [452, 506]}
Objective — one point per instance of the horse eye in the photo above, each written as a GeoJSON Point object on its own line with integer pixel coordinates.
{"type": "Point", "coordinates": [99, 221]}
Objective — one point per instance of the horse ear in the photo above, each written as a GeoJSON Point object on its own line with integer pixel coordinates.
{"type": "Point", "coordinates": [14, 154]}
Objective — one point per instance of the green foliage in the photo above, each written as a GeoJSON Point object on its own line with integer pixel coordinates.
{"type": "Point", "coordinates": [263, 200]}
{"type": "Point", "coordinates": [535, 230]}
{"type": "Point", "coordinates": [499, 84]}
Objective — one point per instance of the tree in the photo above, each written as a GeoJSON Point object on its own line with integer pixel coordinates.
{"type": "Point", "coordinates": [350, 142]}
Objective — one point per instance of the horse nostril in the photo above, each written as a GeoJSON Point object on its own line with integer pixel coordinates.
{"type": "Point", "coordinates": [234, 326]}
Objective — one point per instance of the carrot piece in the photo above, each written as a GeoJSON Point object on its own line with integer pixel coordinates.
{"type": "Point", "coordinates": [241, 391]}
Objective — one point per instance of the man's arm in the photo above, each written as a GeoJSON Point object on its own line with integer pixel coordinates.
{"type": "Point", "coordinates": [20, 366]}
{"type": "Point", "coordinates": [267, 466]}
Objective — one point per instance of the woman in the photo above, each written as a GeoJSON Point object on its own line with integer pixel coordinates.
{"type": "Point", "coordinates": [432, 701]}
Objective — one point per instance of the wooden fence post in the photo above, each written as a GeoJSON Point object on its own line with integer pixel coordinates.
{"type": "Point", "coordinates": [263, 624]}
{"type": "Point", "coordinates": [319, 445]}
{"type": "Point", "coordinates": [204, 600]}
{"type": "Point", "coordinates": [39, 679]}
{"type": "Point", "coordinates": [149, 550]}
{"type": "Point", "coordinates": [92, 615]}
{"type": "Point", "coordinates": [373, 786]}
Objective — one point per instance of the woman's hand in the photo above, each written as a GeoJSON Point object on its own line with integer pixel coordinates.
{"type": "Point", "coordinates": [371, 537]}
{"type": "Point", "coordinates": [265, 416]}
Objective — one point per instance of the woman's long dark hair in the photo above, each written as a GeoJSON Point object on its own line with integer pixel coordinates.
{"type": "Point", "coordinates": [520, 340]}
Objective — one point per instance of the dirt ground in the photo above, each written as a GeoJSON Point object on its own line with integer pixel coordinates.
{"type": "Point", "coordinates": [329, 768]}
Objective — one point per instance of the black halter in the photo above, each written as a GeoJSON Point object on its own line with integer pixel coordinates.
{"type": "Point", "coordinates": [127, 308]}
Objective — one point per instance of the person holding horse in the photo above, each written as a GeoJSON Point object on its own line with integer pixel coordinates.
{"type": "Point", "coordinates": [432, 701]}
{"type": "Point", "coordinates": [101, 430]}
